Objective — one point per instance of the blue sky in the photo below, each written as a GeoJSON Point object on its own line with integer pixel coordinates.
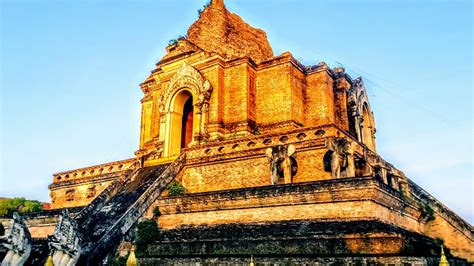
{"type": "Point", "coordinates": [70, 72]}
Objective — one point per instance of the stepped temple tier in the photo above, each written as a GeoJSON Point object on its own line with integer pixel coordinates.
{"type": "Point", "coordinates": [243, 153]}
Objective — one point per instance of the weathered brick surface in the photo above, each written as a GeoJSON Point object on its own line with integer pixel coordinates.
{"type": "Point", "coordinates": [351, 199]}
{"type": "Point", "coordinates": [79, 187]}
{"type": "Point", "coordinates": [298, 241]}
{"type": "Point", "coordinates": [81, 195]}
{"type": "Point", "coordinates": [344, 200]}
{"type": "Point", "coordinates": [273, 94]}
{"type": "Point", "coordinates": [197, 178]}
{"type": "Point", "coordinates": [296, 260]}
{"type": "Point", "coordinates": [236, 96]}
{"type": "Point", "coordinates": [220, 31]}
{"type": "Point", "coordinates": [319, 99]}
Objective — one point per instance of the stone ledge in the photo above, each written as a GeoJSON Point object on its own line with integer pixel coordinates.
{"type": "Point", "coordinates": [294, 260]}
{"type": "Point", "coordinates": [300, 238]}
{"type": "Point", "coordinates": [295, 194]}
{"type": "Point", "coordinates": [94, 170]}
{"type": "Point", "coordinates": [95, 179]}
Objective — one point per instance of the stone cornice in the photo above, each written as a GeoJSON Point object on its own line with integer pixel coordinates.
{"type": "Point", "coordinates": [87, 180]}
{"type": "Point", "coordinates": [86, 174]}
{"type": "Point", "coordinates": [263, 136]}
{"type": "Point", "coordinates": [215, 59]}
{"type": "Point", "coordinates": [308, 193]}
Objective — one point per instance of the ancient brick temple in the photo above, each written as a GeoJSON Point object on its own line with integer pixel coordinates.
{"type": "Point", "coordinates": [278, 160]}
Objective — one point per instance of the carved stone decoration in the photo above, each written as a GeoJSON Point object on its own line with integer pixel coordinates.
{"type": "Point", "coordinates": [65, 242]}
{"type": "Point", "coordinates": [340, 157]}
{"type": "Point", "coordinates": [386, 173]}
{"type": "Point", "coordinates": [70, 194]}
{"type": "Point", "coordinates": [202, 104]}
{"type": "Point", "coordinates": [282, 163]}
{"type": "Point", "coordinates": [145, 155]}
{"type": "Point", "coordinates": [161, 104]}
{"type": "Point", "coordinates": [349, 150]}
{"type": "Point", "coordinates": [146, 98]}
{"type": "Point", "coordinates": [404, 185]}
{"type": "Point", "coordinates": [188, 77]}
{"type": "Point", "coordinates": [18, 242]}
{"type": "Point", "coordinates": [377, 166]}
{"type": "Point", "coordinates": [91, 192]}
{"type": "Point", "coordinates": [52, 195]}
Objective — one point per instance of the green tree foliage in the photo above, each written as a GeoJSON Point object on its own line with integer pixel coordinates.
{"type": "Point", "coordinates": [21, 205]}
{"type": "Point", "coordinates": [176, 189]}
{"type": "Point", "coordinates": [146, 233]}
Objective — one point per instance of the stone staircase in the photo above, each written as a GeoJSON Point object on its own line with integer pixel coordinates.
{"type": "Point", "coordinates": [101, 226]}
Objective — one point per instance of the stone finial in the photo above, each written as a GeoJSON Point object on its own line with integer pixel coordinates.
{"type": "Point", "coordinates": [132, 260]}
{"type": "Point", "coordinates": [49, 261]}
{"type": "Point", "coordinates": [443, 261]}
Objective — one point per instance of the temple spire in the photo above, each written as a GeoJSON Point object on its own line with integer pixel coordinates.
{"type": "Point", "coordinates": [220, 31]}
{"type": "Point", "coordinates": [219, 3]}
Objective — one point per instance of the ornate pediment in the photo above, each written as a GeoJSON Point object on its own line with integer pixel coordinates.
{"type": "Point", "coordinates": [187, 77]}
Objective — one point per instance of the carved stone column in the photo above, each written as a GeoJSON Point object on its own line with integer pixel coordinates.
{"type": "Point", "coordinates": [204, 123]}
{"type": "Point", "coordinates": [204, 98]}
{"type": "Point", "coordinates": [161, 110]}
{"type": "Point", "coordinates": [404, 187]}
{"type": "Point", "coordinates": [197, 133]}
{"type": "Point", "coordinates": [349, 151]}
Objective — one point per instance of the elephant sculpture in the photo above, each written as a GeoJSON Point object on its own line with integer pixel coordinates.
{"type": "Point", "coordinates": [340, 157]}
{"type": "Point", "coordinates": [282, 163]}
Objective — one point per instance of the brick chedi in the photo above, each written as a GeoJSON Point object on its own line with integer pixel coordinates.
{"type": "Point", "coordinates": [270, 158]}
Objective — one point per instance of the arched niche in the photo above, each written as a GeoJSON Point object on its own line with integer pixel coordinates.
{"type": "Point", "coordinates": [361, 118]}
{"type": "Point", "coordinates": [185, 86]}
{"type": "Point", "coordinates": [182, 121]}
